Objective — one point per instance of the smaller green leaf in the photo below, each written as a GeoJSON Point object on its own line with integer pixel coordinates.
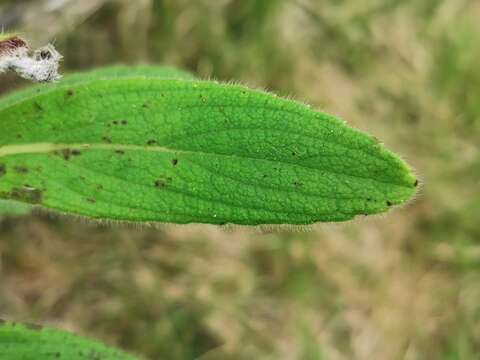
{"type": "Point", "coordinates": [32, 342]}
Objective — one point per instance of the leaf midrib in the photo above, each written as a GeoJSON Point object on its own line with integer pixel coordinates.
{"type": "Point", "coordinates": [42, 148]}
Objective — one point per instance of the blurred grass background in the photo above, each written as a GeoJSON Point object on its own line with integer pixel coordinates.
{"type": "Point", "coordinates": [402, 286]}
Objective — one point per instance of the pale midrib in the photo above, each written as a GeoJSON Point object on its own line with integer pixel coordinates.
{"type": "Point", "coordinates": [41, 148]}
{"type": "Point", "coordinates": [44, 148]}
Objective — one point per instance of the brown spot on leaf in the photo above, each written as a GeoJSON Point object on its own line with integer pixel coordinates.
{"type": "Point", "coordinates": [159, 183]}
{"type": "Point", "coordinates": [25, 194]}
{"type": "Point", "coordinates": [67, 153]}
{"type": "Point", "coordinates": [20, 169]}
{"type": "Point", "coordinates": [37, 106]}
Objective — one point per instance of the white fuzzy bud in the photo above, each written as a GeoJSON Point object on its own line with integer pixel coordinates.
{"type": "Point", "coordinates": [41, 66]}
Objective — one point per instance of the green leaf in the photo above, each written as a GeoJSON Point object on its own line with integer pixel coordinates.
{"type": "Point", "coordinates": [147, 144]}
{"type": "Point", "coordinates": [32, 342]}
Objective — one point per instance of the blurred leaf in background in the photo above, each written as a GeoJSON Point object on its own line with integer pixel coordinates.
{"type": "Point", "coordinates": [401, 286]}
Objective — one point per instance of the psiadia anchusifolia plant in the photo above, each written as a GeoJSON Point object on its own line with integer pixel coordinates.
{"type": "Point", "coordinates": [153, 144]}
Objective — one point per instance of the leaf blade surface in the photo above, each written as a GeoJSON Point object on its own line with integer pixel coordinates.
{"type": "Point", "coordinates": [143, 148]}
{"type": "Point", "coordinates": [32, 342]}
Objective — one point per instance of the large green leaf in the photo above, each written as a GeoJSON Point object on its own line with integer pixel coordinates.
{"type": "Point", "coordinates": [151, 144]}
{"type": "Point", "coordinates": [31, 342]}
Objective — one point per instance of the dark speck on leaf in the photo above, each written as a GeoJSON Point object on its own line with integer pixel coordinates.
{"type": "Point", "coordinates": [115, 122]}
{"type": "Point", "coordinates": [3, 170]}
{"type": "Point", "coordinates": [69, 93]}
{"type": "Point", "coordinates": [174, 162]}
{"type": "Point", "coordinates": [68, 153]}
{"type": "Point", "coordinates": [107, 139]}
{"type": "Point", "coordinates": [124, 122]}
{"type": "Point", "coordinates": [20, 169]}
{"type": "Point", "coordinates": [389, 203]}
{"type": "Point", "coordinates": [91, 200]}
{"type": "Point", "coordinates": [120, 152]}
{"type": "Point", "coordinates": [151, 142]}
{"type": "Point", "coordinates": [416, 183]}
{"type": "Point", "coordinates": [145, 105]}
{"type": "Point", "coordinates": [161, 182]}
{"type": "Point", "coordinates": [28, 195]}
{"type": "Point", "coordinates": [37, 106]}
